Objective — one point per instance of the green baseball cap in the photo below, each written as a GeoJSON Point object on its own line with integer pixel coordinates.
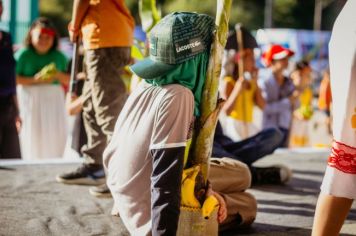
{"type": "Point", "coordinates": [175, 39]}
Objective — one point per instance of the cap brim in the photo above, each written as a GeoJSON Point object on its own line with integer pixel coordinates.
{"type": "Point", "coordinates": [283, 54]}
{"type": "Point", "coordinates": [150, 69]}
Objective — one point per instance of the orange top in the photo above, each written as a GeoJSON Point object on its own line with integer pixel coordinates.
{"type": "Point", "coordinates": [108, 23]}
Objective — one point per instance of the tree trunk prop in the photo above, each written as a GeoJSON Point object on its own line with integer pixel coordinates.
{"type": "Point", "coordinates": [192, 220]}
{"type": "Point", "coordinates": [202, 142]}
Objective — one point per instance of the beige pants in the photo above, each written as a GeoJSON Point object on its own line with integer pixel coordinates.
{"type": "Point", "coordinates": [105, 95]}
{"type": "Point", "coordinates": [231, 178]}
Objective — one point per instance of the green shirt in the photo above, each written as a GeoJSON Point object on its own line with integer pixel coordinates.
{"type": "Point", "coordinates": [29, 62]}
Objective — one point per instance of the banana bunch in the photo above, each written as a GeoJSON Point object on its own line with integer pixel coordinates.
{"type": "Point", "coordinates": [188, 198]}
{"type": "Point", "coordinates": [188, 193]}
{"type": "Point", "coordinates": [209, 205]}
{"type": "Point", "coordinates": [48, 71]}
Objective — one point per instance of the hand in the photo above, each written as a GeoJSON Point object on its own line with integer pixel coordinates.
{"type": "Point", "coordinates": [39, 79]}
{"type": "Point", "coordinates": [73, 36]}
{"type": "Point", "coordinates": [18, 123]}
{"type": "Point", "coordinates": [81, 76]}
{"type": "Point", "coordinates": [241, 84]}
{"type": "Point", "coordinates": [254, 76]}
{"type": "Point", "coordinates": [73, 33]}
{"type": "Point", "coordinates": [72, 97]}
{"type": "Point", "coordinates": [222, 212]}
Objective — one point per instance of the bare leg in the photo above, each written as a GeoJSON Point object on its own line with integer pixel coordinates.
{"type": "Point", "coordinates": [330, 215]}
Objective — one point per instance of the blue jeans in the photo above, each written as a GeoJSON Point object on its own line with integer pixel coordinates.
{"type": "Point", "coordinates": [285, 133]}
{"type": "Point", "coordinates": [248, 150]}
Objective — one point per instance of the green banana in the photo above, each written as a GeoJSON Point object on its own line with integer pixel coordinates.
{"type": "Point", "coordinates": [188, 198]}
{"type": "Point", "coordinates": [209, 205]}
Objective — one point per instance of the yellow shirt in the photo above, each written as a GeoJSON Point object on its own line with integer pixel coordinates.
{"type": "Point", "coordinates": [243, 108]}
{"type": "Point", "coordinates": [306, 109]}
{"type": "Point", "coordinates": [108, 23]}
{"type": "Point", "coordinates": [306, 97]}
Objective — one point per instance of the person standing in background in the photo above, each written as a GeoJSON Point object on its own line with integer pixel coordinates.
{"type": "Point", "coordinates": [302, 80]}
{"type": "Point", "coordinates": [278, 91]}
{"type": "Point", "coordinates": [106, 29]}
{"type": "Point", "coordinates": [40, 74]}
{"type": "Point", "coordinates": [10, 121]}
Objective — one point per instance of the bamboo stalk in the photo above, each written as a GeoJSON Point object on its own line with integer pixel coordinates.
{"type": "Point", "coordinates": [204, 134]}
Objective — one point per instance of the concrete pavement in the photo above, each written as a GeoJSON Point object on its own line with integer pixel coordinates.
{"type": "Point", "coordinates": [32, 203]}
{"type": "Point", "coordinates": [289, 210]}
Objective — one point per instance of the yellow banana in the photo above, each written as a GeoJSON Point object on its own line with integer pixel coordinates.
{"type": "Point", "coordinates": [209, 205]}
{"type": "Point", "coordinates": [48, 71]}
{"type": "Point", "coordinates": [188, 198]}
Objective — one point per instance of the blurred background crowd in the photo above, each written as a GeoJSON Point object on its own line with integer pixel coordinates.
{"type": "Point", "coordinates": [50, 125]}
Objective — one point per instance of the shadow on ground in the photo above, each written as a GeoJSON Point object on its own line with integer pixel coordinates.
{"type": "Point", "coordinates": [267, 229]}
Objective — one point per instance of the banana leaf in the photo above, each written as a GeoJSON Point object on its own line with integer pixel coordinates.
{"type": "Point", "coordinates": [204, 132]}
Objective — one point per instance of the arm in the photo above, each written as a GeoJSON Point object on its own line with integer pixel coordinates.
{"type": "Point", "coordinates": [168, 141]}
{"type": "Point", "coordinates": [20, 78]}
{"type": "Point", "coordinates": [273, 107]}
{"type": "Point", "coordinates": [74, 104]}
{"type": "Point", "coordinates": [222, 212]}
{"type": "Point", "coordinates": [259, 100]}
{"type": "Point", "coordinates": [18, 120]}
{"type": "Point", "coordinates": [63, 78]}
{"type": "Point", "coordinates": [27, 80]}
{"type": "Point", "coordinates": [80, 8]}
{"type": "Point", "coordinates": [35, 80]}
{"type": "Point", "coordinates": [231, 93]}
{"type": "Point", "coordinates": [166, 189]}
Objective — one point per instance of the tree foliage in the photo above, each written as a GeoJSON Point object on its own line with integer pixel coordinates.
{"type": "Point", "coordinates": [59, 11]}
{"type": "Point", "coordinates": [297, 14]}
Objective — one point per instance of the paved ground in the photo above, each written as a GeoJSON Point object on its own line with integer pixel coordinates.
{"type": "Point", "coordinates": [32, 203]}
{"type": "Point", "coordinates": [289, 209]}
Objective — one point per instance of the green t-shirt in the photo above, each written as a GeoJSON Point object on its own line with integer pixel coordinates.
{"type": "Point", "coordinates": [29, 62]}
